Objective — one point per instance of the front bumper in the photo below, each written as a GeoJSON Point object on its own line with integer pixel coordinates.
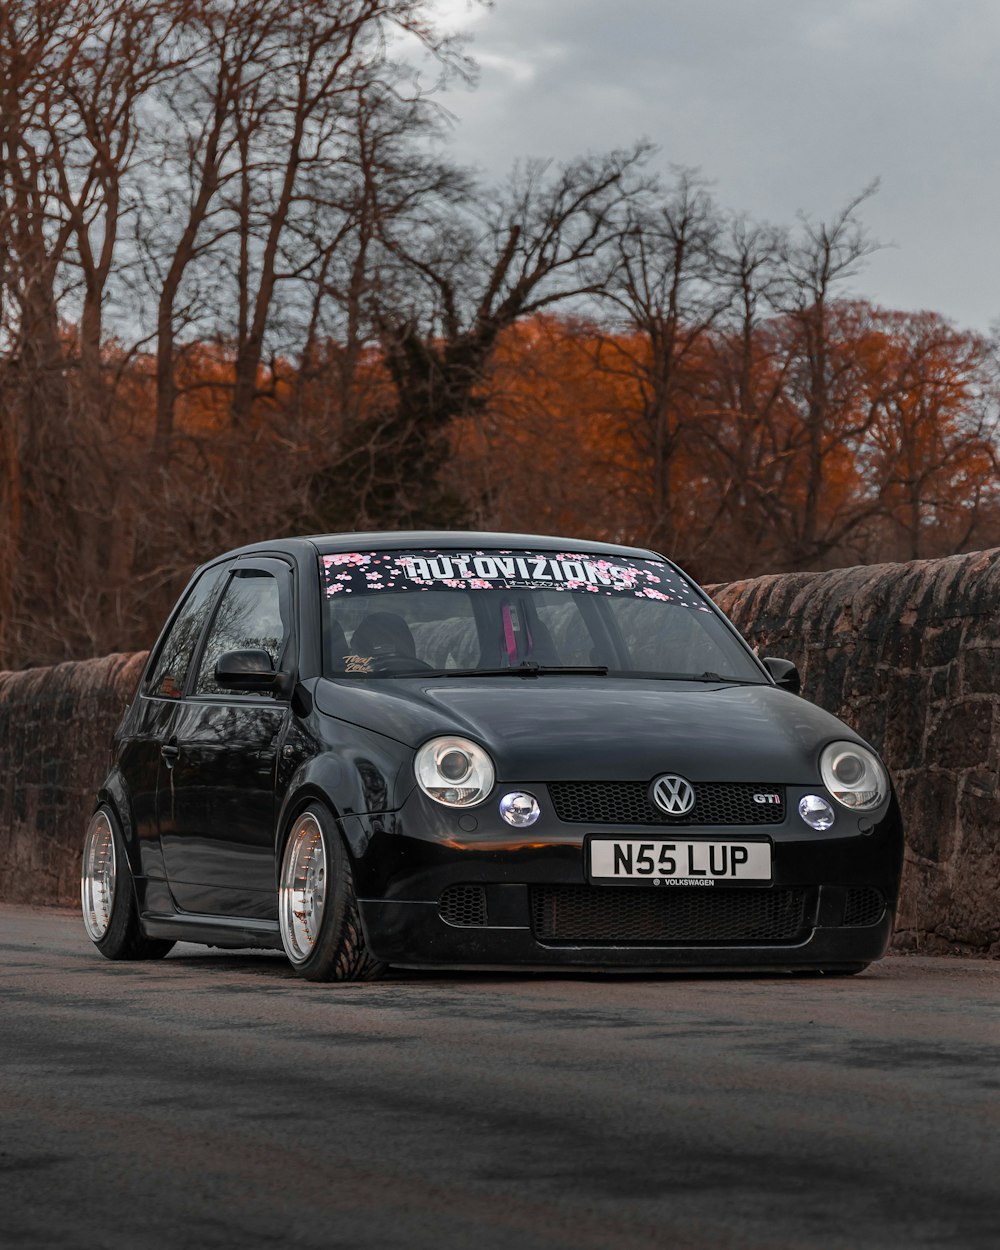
{"type": "Point", "coordinates": [405, 862]}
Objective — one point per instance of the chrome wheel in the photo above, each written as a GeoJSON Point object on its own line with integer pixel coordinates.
{"type": "Point", "coordinates": [97, 882]}
{"type": "Point", "coordinates": [302, 892]}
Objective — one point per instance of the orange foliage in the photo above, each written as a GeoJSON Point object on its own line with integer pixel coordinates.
{"type": "Point", "coordinates": [550, 441]}
{"type": "Point", "coordinates": [900, 458]}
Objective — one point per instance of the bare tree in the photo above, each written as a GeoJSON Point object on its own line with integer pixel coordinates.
{"type": "Point", "coordinates": [452, 282]}
{"type": "Point", "coordinates": [823, 374]}
{"type": "Point", "coordinates": [666, 294]}
{"type": "Point", "coordinates": [36, 38]}
{"type": "Point", "coordinates": [744, 391]}
{"type": "Point", "coordinates": [89, 116]}
{"type": "Point", "coordinates": [265, 104]}
{"type": "Point", "coordinates": [390, 177]}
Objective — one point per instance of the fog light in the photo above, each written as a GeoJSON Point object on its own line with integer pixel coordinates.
{"type": "Point", "coordinates": [519, 809]}
{"type": "Point", "coordinates": [816, 811]}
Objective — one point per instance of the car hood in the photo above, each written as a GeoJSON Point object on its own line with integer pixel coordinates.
{"type": "Point", "coordinates": [592, 728]}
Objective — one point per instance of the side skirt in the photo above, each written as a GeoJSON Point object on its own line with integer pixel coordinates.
{"type": "Point", "coordinates": [230, 932]}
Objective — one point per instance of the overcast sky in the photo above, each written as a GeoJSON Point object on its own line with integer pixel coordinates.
{"type": "Point", "coordinates": [784, 105]}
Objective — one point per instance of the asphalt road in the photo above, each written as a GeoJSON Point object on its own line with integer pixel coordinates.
{"type": "Point", "coordinates": [212, 1100]}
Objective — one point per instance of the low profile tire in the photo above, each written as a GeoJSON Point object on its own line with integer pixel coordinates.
{"type": "Point", "coordinates": [317, 907]}
{"type": "Point", "coordinates": [107, 894]}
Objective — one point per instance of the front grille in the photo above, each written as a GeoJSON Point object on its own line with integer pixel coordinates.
{"type": "Point", "coordinates": [628, 803]}
{"type": "Point", "coordinates": [463, 905]}
{"type": "Point", "coordinates": [624, 914]}
{"type": "Point", "coordinates": [863, 906]}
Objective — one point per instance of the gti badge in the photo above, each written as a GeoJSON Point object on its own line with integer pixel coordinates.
{"type": "Point", "coordinates": [673, 794]}
{"type": "Point", "coordinates": [773, 799]}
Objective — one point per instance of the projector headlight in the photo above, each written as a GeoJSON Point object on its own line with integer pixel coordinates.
{"type": "Point", "coordinates": [854, 775]}
{"type": "Point", "coordinates": [454, 771]}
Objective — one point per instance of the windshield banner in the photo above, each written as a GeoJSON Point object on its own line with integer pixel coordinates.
{"type": "Point", "coordinates": [363, 572]}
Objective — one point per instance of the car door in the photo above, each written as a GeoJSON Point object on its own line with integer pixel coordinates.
{"type": "Point", "coordinates": [150, 720]}
{"type": "Point", "coordinates": [215, 795]}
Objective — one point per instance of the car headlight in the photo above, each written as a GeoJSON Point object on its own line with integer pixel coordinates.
{"type": "Point", "coordinates": [454, 771]}
{"type": "Point", "coordinates": [854, 775]}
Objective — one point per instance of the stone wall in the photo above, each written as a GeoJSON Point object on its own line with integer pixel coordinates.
{"type": "Point", "coordinates": [55, 730]}
{"type": "Point", "coordinates": [908, 654]}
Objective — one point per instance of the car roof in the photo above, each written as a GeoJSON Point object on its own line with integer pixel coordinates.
{"type": "Point", "coordinates": [388, 540]}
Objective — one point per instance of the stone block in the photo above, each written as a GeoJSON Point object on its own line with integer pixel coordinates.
{"type": "Point", "coordinates": [981, 668]}
{"type": "Point", "coordinates": [928, 802]}
{"type": "Point", "coordinates": [941, 644]}
{"type": "Point", "coordinates": [905, 706]}
{"type": "Point", "coordinates": [961, 736]}
{"type": "Point", "coordinates": [901, 647]}
{"type": "Point", "coordinates": [945, 683]}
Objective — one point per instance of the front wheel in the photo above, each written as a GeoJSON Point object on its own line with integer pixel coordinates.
{"type": "Point", "coordinates": [317, 906]}
{"type": "Point", "coordinates": [107, 895]}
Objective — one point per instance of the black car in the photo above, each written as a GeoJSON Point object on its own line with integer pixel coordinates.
{"type": "Point", "coordinates": [482, 750]}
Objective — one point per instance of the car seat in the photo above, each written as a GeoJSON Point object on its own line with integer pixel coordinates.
{"type": "Point", "coordinates": [383, 634]}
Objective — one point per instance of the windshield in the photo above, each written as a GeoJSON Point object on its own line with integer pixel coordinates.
{"type": "Point", "coordinates": [393, 613]}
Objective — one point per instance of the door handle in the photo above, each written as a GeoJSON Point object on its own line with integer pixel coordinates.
{"type": "Point", "coordinates": [170, 751]}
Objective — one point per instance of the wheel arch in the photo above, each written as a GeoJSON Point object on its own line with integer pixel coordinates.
{"type": "Point", "coordinates": [293, 807]}
{"type": "Point", "coordinates": [113, 794]}
{"type": "Point", "coordinates": [339, 787]}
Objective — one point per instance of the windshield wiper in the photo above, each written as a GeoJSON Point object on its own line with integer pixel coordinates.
{"type": "Point", "coordinates": [528, 668]}
{"type": "Point", "coordinates": [707, 677]}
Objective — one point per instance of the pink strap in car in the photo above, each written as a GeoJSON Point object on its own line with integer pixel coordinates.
{"type": "Point", "coordinates": [509, 637]}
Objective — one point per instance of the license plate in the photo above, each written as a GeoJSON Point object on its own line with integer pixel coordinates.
{"type": "Point", "coordinates": [678, 861]}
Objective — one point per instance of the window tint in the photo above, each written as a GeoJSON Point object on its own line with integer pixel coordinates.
{"type": "Point", "coordinates": [249, 617]}
{"type": "Point", "coordinates": [170, 672]}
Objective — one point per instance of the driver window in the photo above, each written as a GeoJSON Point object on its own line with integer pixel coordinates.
{"type": "Point", "coordinates": [170, 671]}
{"type": "Point", "coordinates": [249, 617]}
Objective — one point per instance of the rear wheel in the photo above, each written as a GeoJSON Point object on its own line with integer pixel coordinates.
{"type": "Point", "coordinates": [107, 894]}
{"type": "Point", "coordinates": [317, 906]}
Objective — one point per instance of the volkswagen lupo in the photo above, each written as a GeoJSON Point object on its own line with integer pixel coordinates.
{"type": "Point", "coordinates": [482, 751]}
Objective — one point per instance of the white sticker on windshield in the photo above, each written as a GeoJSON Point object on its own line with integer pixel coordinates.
{"type": "Point", "coordinates": [359, 572]}
{"type": "Point", "coordinates": [575, 574]}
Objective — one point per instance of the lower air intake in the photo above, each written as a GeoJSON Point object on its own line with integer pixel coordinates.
{"type": "Point", "coordinates": [615, 915]}
{"type": "Point", "coordinates": [463, 905]}
{"type": "Point", "coordinates": [863, 907]}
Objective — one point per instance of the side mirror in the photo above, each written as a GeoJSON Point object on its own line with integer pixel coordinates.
{"type": "Point", "coordinates": [245, 670]}
{"type": "Point", "coordinates": [784, 674]}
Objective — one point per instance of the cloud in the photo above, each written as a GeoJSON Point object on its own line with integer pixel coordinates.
{"type": "Point", "coordinates": [784, 104]}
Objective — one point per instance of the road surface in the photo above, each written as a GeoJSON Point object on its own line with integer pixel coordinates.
{"type": "Point", "coordinates": [212, 1100]}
